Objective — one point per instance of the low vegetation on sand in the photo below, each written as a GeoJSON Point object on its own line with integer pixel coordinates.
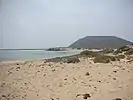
{"type": "Point", "coordinates": [72, 60]}
{"type": "Point", "coordinates": [129, 52]}
{"type": "Point", "coordinates": [100, 57]}
{"type": "Point", "coordinates": [104, 59]}
{"type": "Point", "coordinates": [121, 56]}
{"type": "Point", "coordinates": [123, 49]}
{"type": "Point", "coordinates": [106, 51]}
{"type": "Point", "coordinates": [104, 56]}
{"type": "Point", "coordinates": [87, 53]}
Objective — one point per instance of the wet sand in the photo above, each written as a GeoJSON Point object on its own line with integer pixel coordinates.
{"type": "Point", "coordinates": [41, 80]}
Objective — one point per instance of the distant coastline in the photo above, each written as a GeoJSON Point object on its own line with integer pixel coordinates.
{"type": "Point", "coordinates": [22, 49]}
{"type": "Point", "coordinates": [46, 49]}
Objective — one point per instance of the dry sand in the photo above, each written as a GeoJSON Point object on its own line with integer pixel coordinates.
{"type": "Point", "coordinates": [40, 80]}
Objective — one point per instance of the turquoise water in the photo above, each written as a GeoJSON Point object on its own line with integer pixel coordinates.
{"type": "Point", "coordinates": [33, 54]}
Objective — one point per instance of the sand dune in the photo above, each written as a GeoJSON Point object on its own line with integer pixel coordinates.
{"type": "Point", "coordinates": [40, 80]}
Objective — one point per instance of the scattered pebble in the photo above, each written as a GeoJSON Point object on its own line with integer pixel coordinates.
{"type": "Point", "coordinates": [17, 64]}
{"type": "Point", "coordinates": [118, 99]}
{"type": "Point", "coordinates": [74, 79]}
{"type": "Point", "coordinates": [114, 78]}
{"type": "Point", "coordinates": [109, 75]}
{"type": "Point", "coordinates": [85, 96]}
{"type": "Point", "coordinates": [99, 81]}
{"type": "Point", "coordinates": [3, 96]}
{"type": "Point", "coordinates": [43, 67]}
{"type": "Point", "coordinates": [3, 84]}
{"type": "Point", "coordinates": [52, 99]}
{"type": "Point", "coordinates": [115, 71]}
{"type": "Point", "coordinates": [87, 74]}
{"type": "Point", "coordinates": [53, 70]}
{"type": "Point", "coordinates": [123, 68]}
{"type": "Point", "coordinates": [18, 68]}
{"type": "Point", "coordinates": [65, 79]}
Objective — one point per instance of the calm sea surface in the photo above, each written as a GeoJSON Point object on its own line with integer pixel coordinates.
{"type": "Point", "coordinates": [33, 54]}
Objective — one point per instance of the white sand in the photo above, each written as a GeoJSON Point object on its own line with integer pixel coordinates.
{"type": "Point", "coordinates": [37, 80]}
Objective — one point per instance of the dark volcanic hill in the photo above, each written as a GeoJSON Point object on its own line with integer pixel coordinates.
{"type": "Point", "coordinates": [100, 42]}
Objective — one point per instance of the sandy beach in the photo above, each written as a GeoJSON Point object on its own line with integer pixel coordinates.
{"type": "Point", "coordinates": [41, 80]}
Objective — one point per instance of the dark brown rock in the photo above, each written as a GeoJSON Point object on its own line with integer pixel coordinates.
{"type": "Point", "coordinates": [53, 70]}
{"type": "Point", "coordinates": [65, 79]}
{"type": "Point", "coordinates": [118, 99]}
{"type": "Point", "coordinates": [85, 96]}
{"type": "Point", "coordinates": [99, 81]}
{"type": "Point", "coordinates": [115, 71]}
{"type": "Point", "coordinates": [3, 96]}
{"type": "Point", "coordinates": [114, 78]}
{"type": "Point", "coordinates": [87, 74]}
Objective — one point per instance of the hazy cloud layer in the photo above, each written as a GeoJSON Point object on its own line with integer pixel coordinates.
{"type": "Point", "coordinates": [48, 23]}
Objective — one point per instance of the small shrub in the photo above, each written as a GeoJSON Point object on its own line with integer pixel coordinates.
{"type": "Point", "coordinates": [120, 56]}
{"type": "Point", "coordinates": [122, 49]}
{"type": "Point", "coordinates": [129, 52]}
{"type": "Point", "coordinates": [117, 52]}
{"type": "Point", "coordinates": [129, 57]}
{"type": "Point", "coordinates": [101, 59]}
{"type": "Point", "coordinates": [73, 60]}
{"type": "Point", "coordinates": [89, 53]}
{"type": "Point", "coordinates": [106, 51]}
{"type": "Point", "coordinates": [112, 58]}
{"type": "Point", "coordinates": [104, 59]}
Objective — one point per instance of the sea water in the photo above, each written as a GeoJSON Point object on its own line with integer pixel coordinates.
{"type": "Point", "coordinates": [6, 55]}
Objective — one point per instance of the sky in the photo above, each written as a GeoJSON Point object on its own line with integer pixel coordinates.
{"type": "Point", "coordinates": [51, 23]}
